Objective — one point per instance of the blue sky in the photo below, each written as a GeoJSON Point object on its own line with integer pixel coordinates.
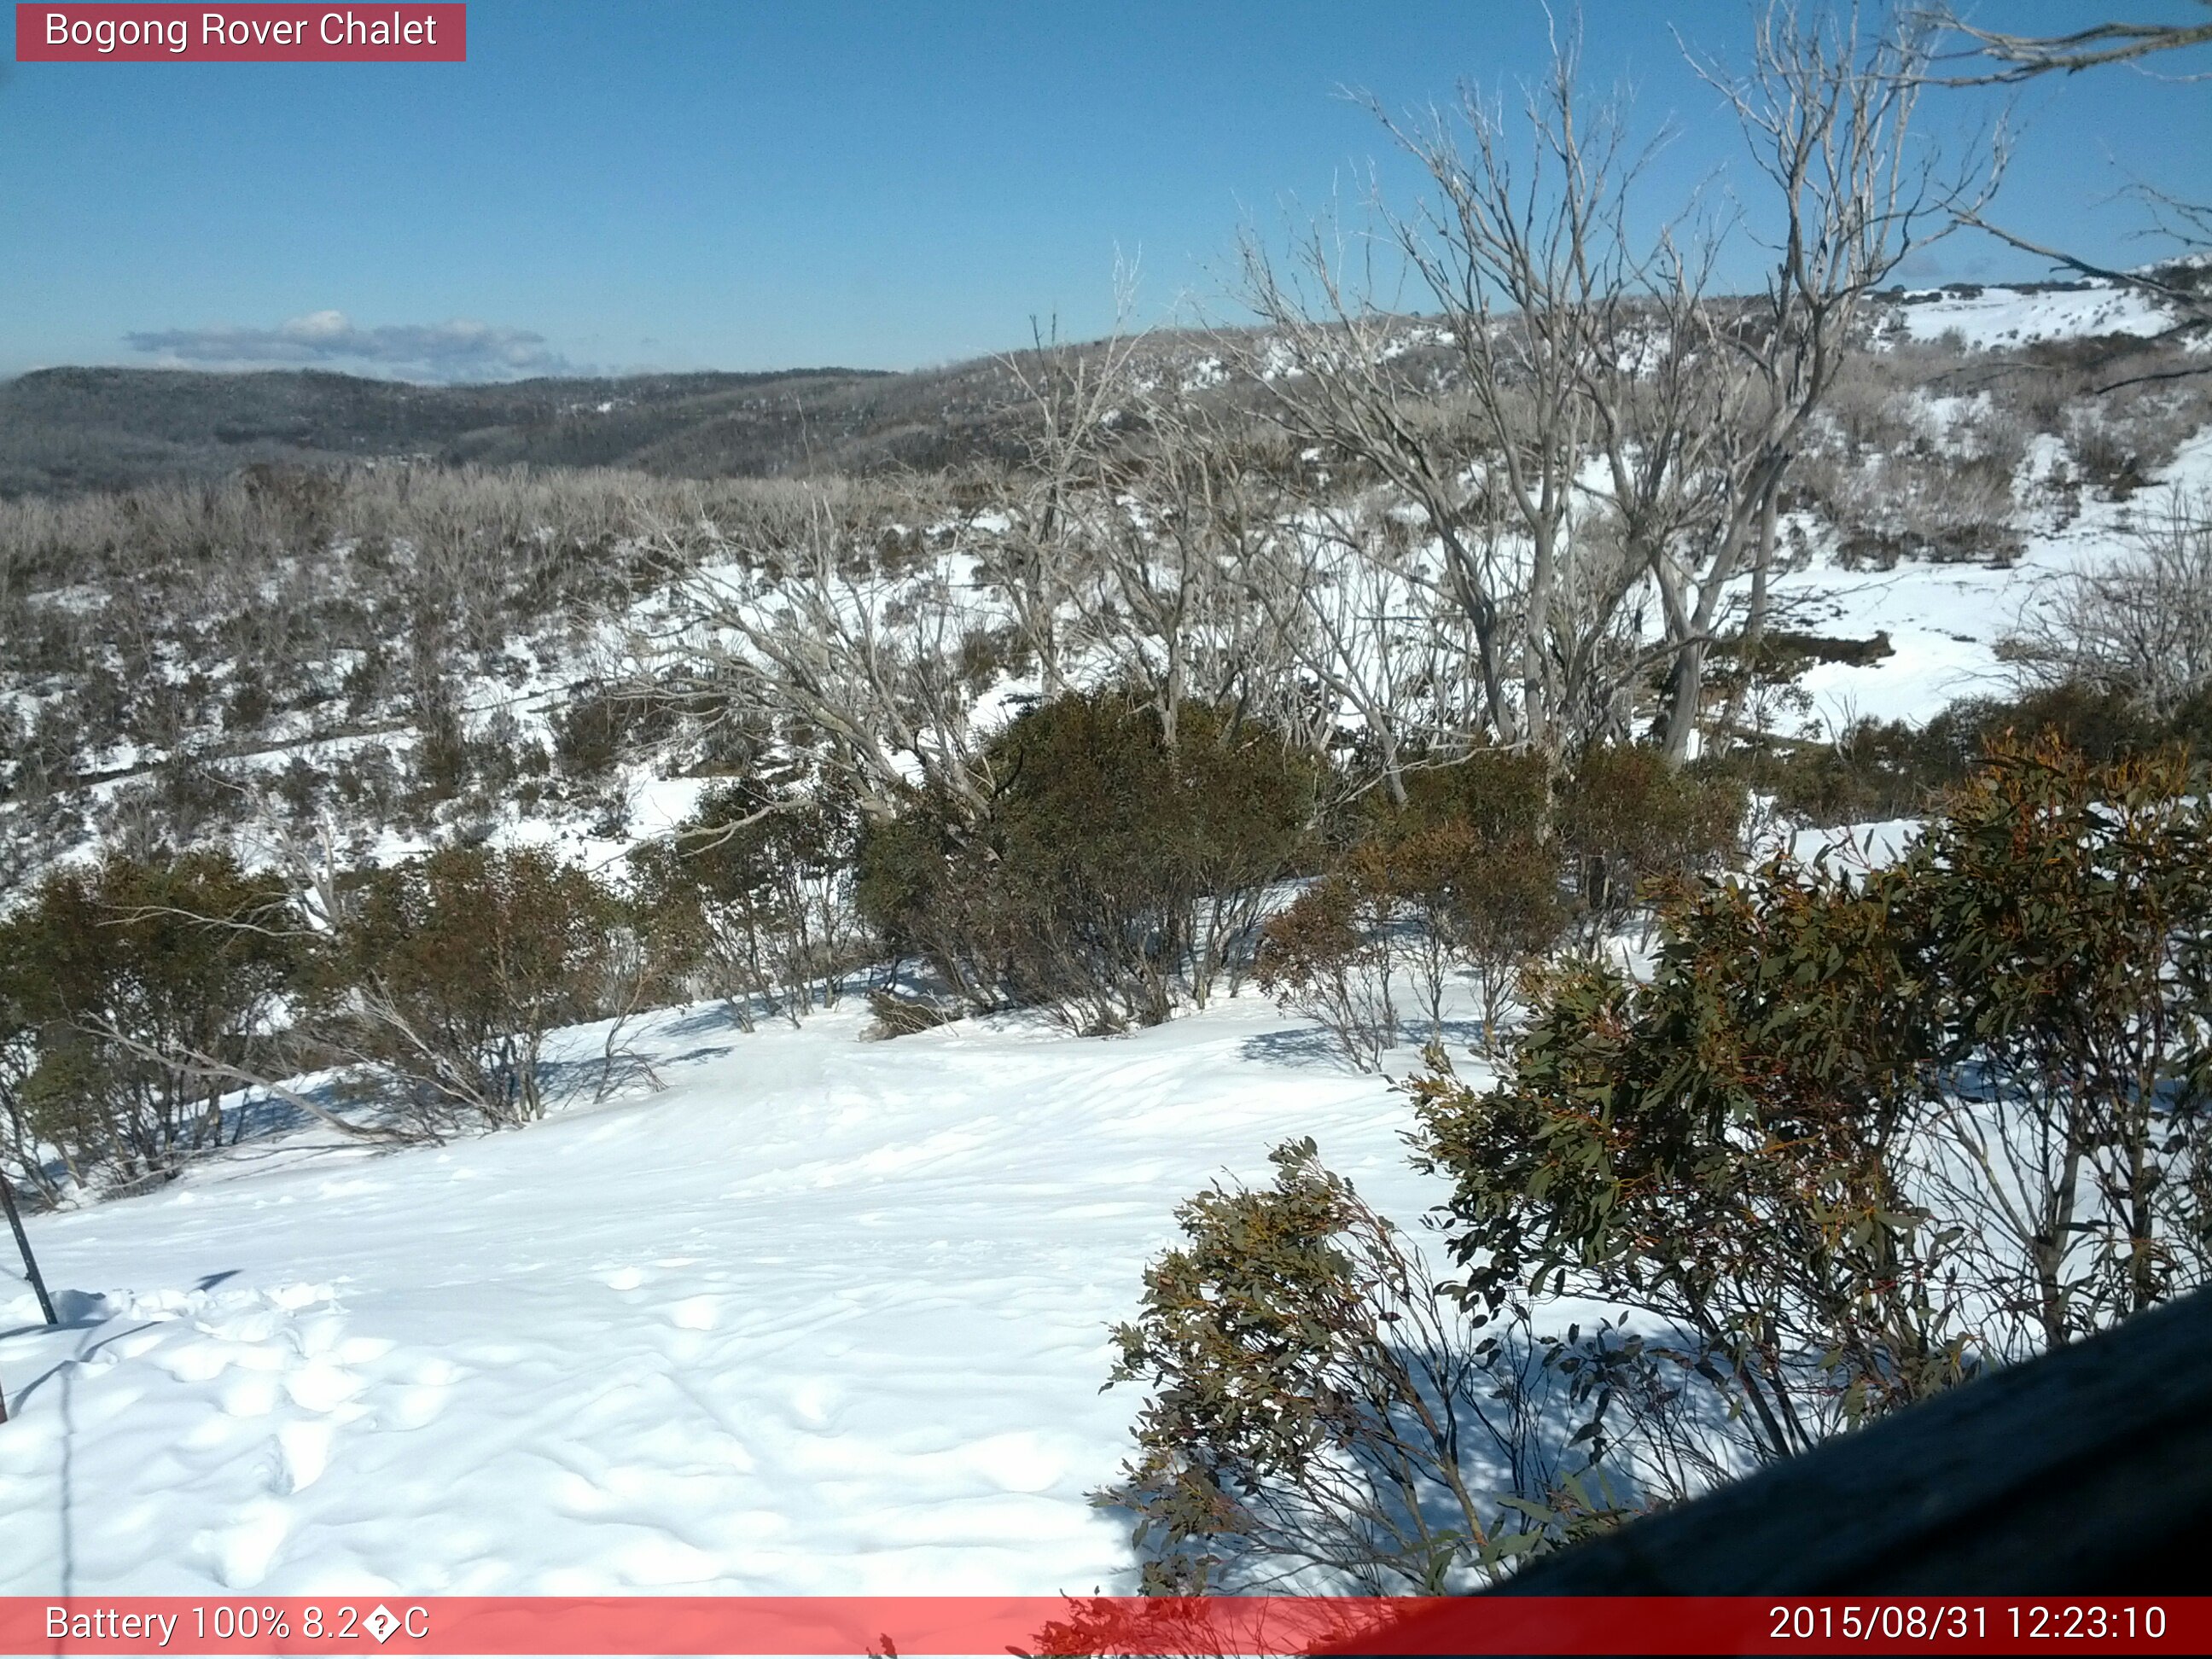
{"type": "Point", "coordinates": [609, 185]}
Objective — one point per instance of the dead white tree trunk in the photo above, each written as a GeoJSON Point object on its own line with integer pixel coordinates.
{"type": "Point", "coordinates": [1479, 412]}
{"type": "Point", "coordinates": [1826, 107]}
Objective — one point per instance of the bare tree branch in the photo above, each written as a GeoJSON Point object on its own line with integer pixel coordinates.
{"type": "Point", "coordinates": [2023, 56]}
{"type": "Point", "coordinates": [2195, 307]}
{"type": "Point", "coordinates": [207, 1068]}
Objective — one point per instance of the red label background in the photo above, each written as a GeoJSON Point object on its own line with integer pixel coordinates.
{"type": "Point", "coordinates": [452, 47]}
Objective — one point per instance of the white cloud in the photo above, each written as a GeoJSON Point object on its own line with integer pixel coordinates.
{"type": "Point", "coordinates": [461, 350]}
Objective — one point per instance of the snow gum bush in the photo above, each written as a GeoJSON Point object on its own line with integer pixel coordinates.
{"type": "Point", "coordinates": [1499, 794]}
{"type": "Point", "coordinates": [1481, 869]}
{"type": "Point", "coordinates": [1420, 906]}
{"type": "Point", "coordinates": [1328, 958]}
{"type": "Point", "coordinates": [139, 997]}
{"type": "Point", "coordinates": [1852, 1139]}
{"type": "Point", "coordinates": [2066, 907]}
{"type": "Point", "coordinates": [1109, 873]}
{"type": "Point", "coordinates": [1719, 1148]}
{"type": "Point", "coordinates": [1473, 863]}
{"type": "Point", "coordinates": [1856, 1136]}
{"type": "Point", "coordinates": [444, 975]}
{"type": "Point", "coordinates": [1628, 819]}
{"type": "Point", "coordinates": [116, 983]}
{"type": "Point", "coordinates": [1894, 769]}
{"type": "Point", "coordinates": [754, 896]}
{"type": "Point", "coordinates": [1504, 913]}
{"type": "Point", "coordinates": [1318, 1416]}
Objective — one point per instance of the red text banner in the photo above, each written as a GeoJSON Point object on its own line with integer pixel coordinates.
{"type": "Point", "coordinates": [993, 1625]}
{"type": "Point", "coordinates": [326, 33]}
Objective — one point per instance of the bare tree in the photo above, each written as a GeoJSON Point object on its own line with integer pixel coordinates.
{"type": "Point", "coordinates": [1599, 420]}
{"type": "Point", "coordinates": [1175, 533]}
{"type": "Point", "coordinates": [1487, 452]}
{"type": "Point", "coordinates": [1827, 106]}
{"type": "Point", "coordinates": [1513, 255]}
{"type": "Point", "coordinates": [1073, 396]}
{"type": "Point", "coordinates": [1133, 534]}
{"type": "Point", "coordinates": [1993, 58]}
{"type": "Point", "coordinates": [2013, 57]}
{"type": "Point", "coordinates": [1370, 622]}
{"type": "Point", "coordinates": [830, 610]}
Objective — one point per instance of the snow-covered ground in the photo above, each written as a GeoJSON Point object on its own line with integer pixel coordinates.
{"type": "Point", "coordinates": [822, 1315]}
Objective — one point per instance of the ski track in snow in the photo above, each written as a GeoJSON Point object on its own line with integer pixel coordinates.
{"type": "Point", "coordinates": [823, 1316]}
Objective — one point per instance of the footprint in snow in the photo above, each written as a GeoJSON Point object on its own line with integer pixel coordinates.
{"type": "Point", "coordinates": [1016, 1463]}
{"type": "Point", "coordinates": [696, 1313]}
{"type": "Point", "coordinates": [242, 1553]}
{"type": "Point", "coordinates": [812, 1402]}
{"type": "Point", "coordinates": [305, 1449]}
{"type": "Point", "coordinates": [281, 1352]}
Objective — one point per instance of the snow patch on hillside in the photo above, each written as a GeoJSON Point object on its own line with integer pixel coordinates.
{"type": "Point", "coordinates": [1944, 620]}
{"type": "Point", "coordinates": [1998, 317]}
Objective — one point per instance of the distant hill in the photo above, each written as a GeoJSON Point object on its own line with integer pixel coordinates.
{"type": "Point", "coordinates": [63, 430]}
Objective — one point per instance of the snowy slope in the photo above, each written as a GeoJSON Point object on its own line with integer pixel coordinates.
{"type": "Point", "coordinates": [1997, 317]}
{"type": "Point", "coordinates": [824, 1316]}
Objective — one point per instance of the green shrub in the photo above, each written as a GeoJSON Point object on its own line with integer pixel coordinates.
{"type": "Point", "coordinates": [1629, 819]}
{"type": "Point", "coordinates": [1500, 795]}
{"type": "Point", "coordinates": [1328, 958]}
{"type": "Point", "coordinates": [2065, 907]}
{"type": "Point", "coordinates": [128, 987]}
{"type": "Point", "coordinates": [927, 893]}
{"type": "Point", "coordinates": [1464, 873]}
{"type": "Point", "coordinates": [1313, 1404]}
{"type": "Point", "coordinates": [1506, 914]}
{"type": "Point", "coordinates": [598, 728]}
{"type": "Point", "coordinates": [1420, 903]}
{"type": "Point", "coordinates": [1110, 873]}
{"type": "Point", "coordinates": [755, 889]}
{"type": "Point", "coordinates": [1856, 1138]}
{"type": "Point", "coordinates": [1716, 1148]}
{"type": "Point", "coordinates": [1856, 1132]}
{"type": "Point", "coordinates": [1892, 769]}
{"type": "Point", "coordinates": [445, 974]}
